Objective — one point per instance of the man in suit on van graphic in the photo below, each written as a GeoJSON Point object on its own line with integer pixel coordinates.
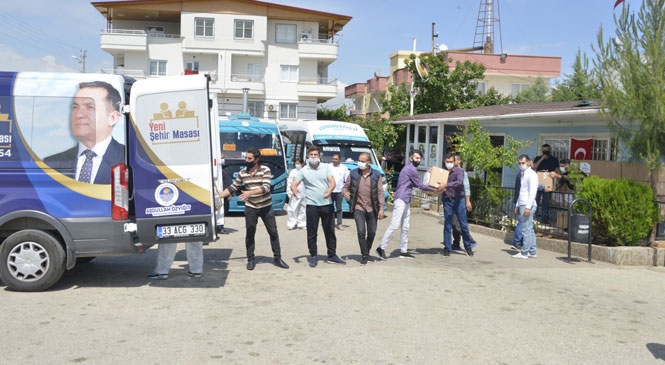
{"type": "Point", "coordinates": [95, 110]}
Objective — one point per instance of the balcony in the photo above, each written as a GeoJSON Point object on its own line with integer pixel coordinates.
{"type": "Point", "coordinates": [130, 39]}
{"type": "Point", "coordinates": [250, 81]}
{"type": "Point", "coordinates": [319, 49]}
{"type": "Point", "coordinates": [319, 87]}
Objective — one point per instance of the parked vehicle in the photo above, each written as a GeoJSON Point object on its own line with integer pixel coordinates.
{"type": "Point", "coordinates": [145, 175]}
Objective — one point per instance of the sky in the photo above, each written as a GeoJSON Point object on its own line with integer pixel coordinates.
{"type": "Point", "coordinates": [48, 35]}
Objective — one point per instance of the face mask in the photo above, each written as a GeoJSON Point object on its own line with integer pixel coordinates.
{"type": "Point", "coordinates": [298, 167]}
{"type": "Point", "coordinates": [449, 165]}
{"type": "Point", "coordinates": [250, 164]}
{"type": "Point", "coordinates": [546, 152]}
{"type": "Point", "coordinates": [362, 165]}
{"type": "Point", "coordinates": [563, 170]}
{"type": "Point", "coordinates": [415, 163]}
{"type": "Point", "coordinates": [313, 160]}
{"type": "Point", "coordinates": [524, 167]}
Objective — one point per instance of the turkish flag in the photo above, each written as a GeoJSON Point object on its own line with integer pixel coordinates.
{"type": "Point", "coordinates": [581, 149]}
{"type": "Point", "coordinates": [617, 3]}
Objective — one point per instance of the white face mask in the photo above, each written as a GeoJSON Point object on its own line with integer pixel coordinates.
{"type": "Point", "coordinates": [362, 165]}
{"type": "Point", "coordinates": [524, 167]}
{"type": "Point", "coordinates": [298, 167]}
{"type": "Point", "coordinates": [563, 170]}
{"type": "Point", "coordinates": [313, 160]}
{"type": "Point", "coordinates": [449, 165]}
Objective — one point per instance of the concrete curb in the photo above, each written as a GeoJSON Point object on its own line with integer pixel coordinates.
{"type": "Point", "coordinates": [625, 256]}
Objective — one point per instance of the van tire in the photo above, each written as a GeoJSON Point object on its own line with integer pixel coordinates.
{"type": "Point", "coordinates": [31, 260]}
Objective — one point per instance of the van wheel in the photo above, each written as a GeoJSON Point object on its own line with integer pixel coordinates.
{"type": "Point", "coordinates": [31, 260]}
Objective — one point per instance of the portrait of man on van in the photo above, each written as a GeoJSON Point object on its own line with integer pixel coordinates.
{"type": "Point", "coordinates": [95, 111]}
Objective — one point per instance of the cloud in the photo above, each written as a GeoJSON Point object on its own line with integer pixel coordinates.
{"type": "Point", "coordinates": [12, 60]}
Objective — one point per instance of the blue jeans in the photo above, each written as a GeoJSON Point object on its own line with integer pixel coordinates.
{"type": "Point", "coordinates": [517, 237]}
{"type": "Point", "coordinates": [528, 235]}
{"type": "Point", "coordinates": [456, 206]}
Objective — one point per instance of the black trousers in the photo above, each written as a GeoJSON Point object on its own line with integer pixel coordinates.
{"type": "Point", "coordinates": [267, 215]}
{"type": "Point", "coordinates": [327, 216]}
{"type": "Point", "coordinates": [366, 227]}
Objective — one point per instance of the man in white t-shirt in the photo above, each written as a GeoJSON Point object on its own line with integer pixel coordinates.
{"type": "Point", "coordinates": [340, 173]}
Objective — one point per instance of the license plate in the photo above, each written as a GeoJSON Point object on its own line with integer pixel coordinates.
{"type": "Point", "coordinates": [181, 230]}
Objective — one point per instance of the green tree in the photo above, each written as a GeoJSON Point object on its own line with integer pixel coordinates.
{"type": "Point", "coordinates": [538, 92]}
{"type": "Point", "coordinates": [396, 102]}
{"type": "Point", "coordinates": [324, 113]}
{"type": "Point", "coordinates": [486, 159]}
{"type": "Point", "coordinates": [380, 132]}
{"type": "Point", "coordinates": [491, 97]}
{"type": "Point", "coordinates": [631, 74]}
{"type": "Point", "coordinates": [581, 85]}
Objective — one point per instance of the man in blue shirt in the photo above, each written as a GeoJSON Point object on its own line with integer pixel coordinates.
{"type": "Point", "coordinates": [454, 203]}
{"type": "Point", "coordinates": [408, 179]}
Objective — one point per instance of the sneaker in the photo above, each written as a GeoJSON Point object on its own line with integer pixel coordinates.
{"type": "Point", "coordinates": [532, 256]}
{"type": "Point", "coordinates": [446, 252]}
{"type": "Point", "coordinates": [469, 252]}
{"type": "Point", "coordinates": [520, 256]}
{"type": "Point", "coordinates": [406, 255]}
{"type": "Point", "coordinates": [364, 261]}
{"type": "Point", "coordinates": [382, 253]}
{"type": "Point", "coordinates": [335, 260]}
{"type": "Point", "coordinates": [456, 248]}
{"type": "Point", "coordinates": [516, 247]}
{"type": "Point", "coordinates": [194, 274]}
{"type": "Point", "coordinates": [312, 261]}
{"type": "Point", "coordinates": [370, 258]}
{"type": "Point", "coordinates": [290, 228]}
{"type": "Point", "coordinates": [157, 276]}
{"type": "Point", "coordinates": [473, 244]}
{"type": "Point", "coordinates": [339, 226]}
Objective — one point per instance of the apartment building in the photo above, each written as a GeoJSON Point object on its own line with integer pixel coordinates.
{"type": "Point", "coordinates": [508, 74]}
{"type": "Point", "coordinates": [281, 54]}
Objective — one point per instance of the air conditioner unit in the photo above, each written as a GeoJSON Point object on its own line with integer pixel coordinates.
{"type": "Point", "coordinates": [306, 37]}
{"type": "Point", "coordinates": [271, 107]}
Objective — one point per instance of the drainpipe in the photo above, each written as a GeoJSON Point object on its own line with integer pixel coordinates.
{"type": "Point", "coordinates": [245, 93]}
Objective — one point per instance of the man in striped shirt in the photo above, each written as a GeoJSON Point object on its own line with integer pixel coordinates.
{"type": "Point", "coordinates": [254, 180]}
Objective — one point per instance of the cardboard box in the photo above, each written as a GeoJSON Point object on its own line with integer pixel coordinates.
{"type": "Point", "coordinates": [435, 175]}
{"type": "Point", "coordinates": [545, 180]}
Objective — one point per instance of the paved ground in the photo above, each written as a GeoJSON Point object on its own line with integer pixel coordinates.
{"type": "Point", "coordinates": [486, 309]}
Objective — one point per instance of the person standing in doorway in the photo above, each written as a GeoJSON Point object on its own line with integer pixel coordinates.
{"type": "Point", "coordinates": [408, 179]}
{"type": "Point", "coordinates": [319, 184]}
{"type": "Point", "coordinates": [545, 162]}
{"type": "Point", "coordinates": [340, 173]}
{"type": "Point", "coordinates": [364, 191]}
{"type": "Point", "coordinates": [255, 179]}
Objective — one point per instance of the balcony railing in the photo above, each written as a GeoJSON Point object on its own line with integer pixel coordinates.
{"type": "Point", "coordinates": [137, 74]}
{"type": "Point", "coordinates": [317, 81]}
{"type": "Point", "coordinates": [140, 32]}
{"type": "Point", "coordinates": [246, 78]}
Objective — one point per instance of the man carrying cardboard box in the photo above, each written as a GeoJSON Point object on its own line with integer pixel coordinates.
{"type": "Point", "coordinates": [549, 163]}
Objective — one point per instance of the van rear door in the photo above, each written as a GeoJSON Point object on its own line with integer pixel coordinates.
{"type": "Point", "coordinates": [170, 160]}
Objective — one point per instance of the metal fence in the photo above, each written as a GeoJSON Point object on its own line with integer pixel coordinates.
{"type": "Point", "coordinates": [502, 216]}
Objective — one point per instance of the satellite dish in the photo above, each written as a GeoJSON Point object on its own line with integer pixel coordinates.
{"type": "Point", "coordinates": [422, 70]}
{"type": "Point", "coordinates": [443, 48]}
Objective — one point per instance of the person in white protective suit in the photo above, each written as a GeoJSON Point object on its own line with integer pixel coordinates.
{"type": "Point", "coordinates": [296, 211]}
{"type": "Point", "coordinates": [166, 254]}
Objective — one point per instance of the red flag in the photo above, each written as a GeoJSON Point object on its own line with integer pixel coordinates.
{"type": "Point", "coordinates": [581, 149]}
{"type": "Point", "coordinates": [617, 3]}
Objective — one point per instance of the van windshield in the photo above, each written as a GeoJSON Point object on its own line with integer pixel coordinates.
{"type": "Point", "coordinates": [348, 154]}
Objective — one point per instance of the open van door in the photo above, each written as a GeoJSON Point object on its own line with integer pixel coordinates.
{"type": "Point", "coordinates": [170, 160]}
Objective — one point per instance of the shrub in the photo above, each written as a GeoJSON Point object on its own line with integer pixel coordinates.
{"type": "Point", "coordinates": [623, 211]}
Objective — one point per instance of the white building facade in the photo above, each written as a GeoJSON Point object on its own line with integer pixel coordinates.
{"type": "Point", "coordinates": [280, 53]}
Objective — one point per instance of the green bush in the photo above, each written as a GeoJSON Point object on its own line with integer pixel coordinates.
{"type": "Point", "coordinates": [623, 211]}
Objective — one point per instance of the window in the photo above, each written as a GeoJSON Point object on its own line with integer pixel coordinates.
{"type": "Point", "coordinates": [255, 108]}
{"type": "Point", "coordinates": [289, 73]}
{"type": "Point", "coordinates": [288, 110]}
{"type": "Point", "coordinates": [192, 65]}
{"type": "Point", "coordinates": [515, 89]}
{"type": "Point", "coordinates": [586, 148]}
{"type": "Point", "coordinates": [157, 68]}
{"type": "Point", "coordinates": [244, 29]}
{"type": "Point", "coordinates": [205, 27]}
{"type": "Point", "coordinates": [154, 31]}
{"type": "Point", "coordinates": [285, 33]}
{"type": "Point", "coordinates": [254, 72]}
{"type": "Point", "coordinates": [481, 87]}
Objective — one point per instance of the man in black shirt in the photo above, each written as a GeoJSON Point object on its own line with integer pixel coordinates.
{"type": "Point", "coordinates": [545, 162]}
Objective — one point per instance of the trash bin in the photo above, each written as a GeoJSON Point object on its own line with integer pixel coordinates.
{"type": "Point", "coordinates": [579, 227]}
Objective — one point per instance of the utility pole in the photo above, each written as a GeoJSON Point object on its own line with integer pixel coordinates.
{"type": "Point", "coordinates": [81, 59]}
{"type": "Point", "coordinates": [434, 35]}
